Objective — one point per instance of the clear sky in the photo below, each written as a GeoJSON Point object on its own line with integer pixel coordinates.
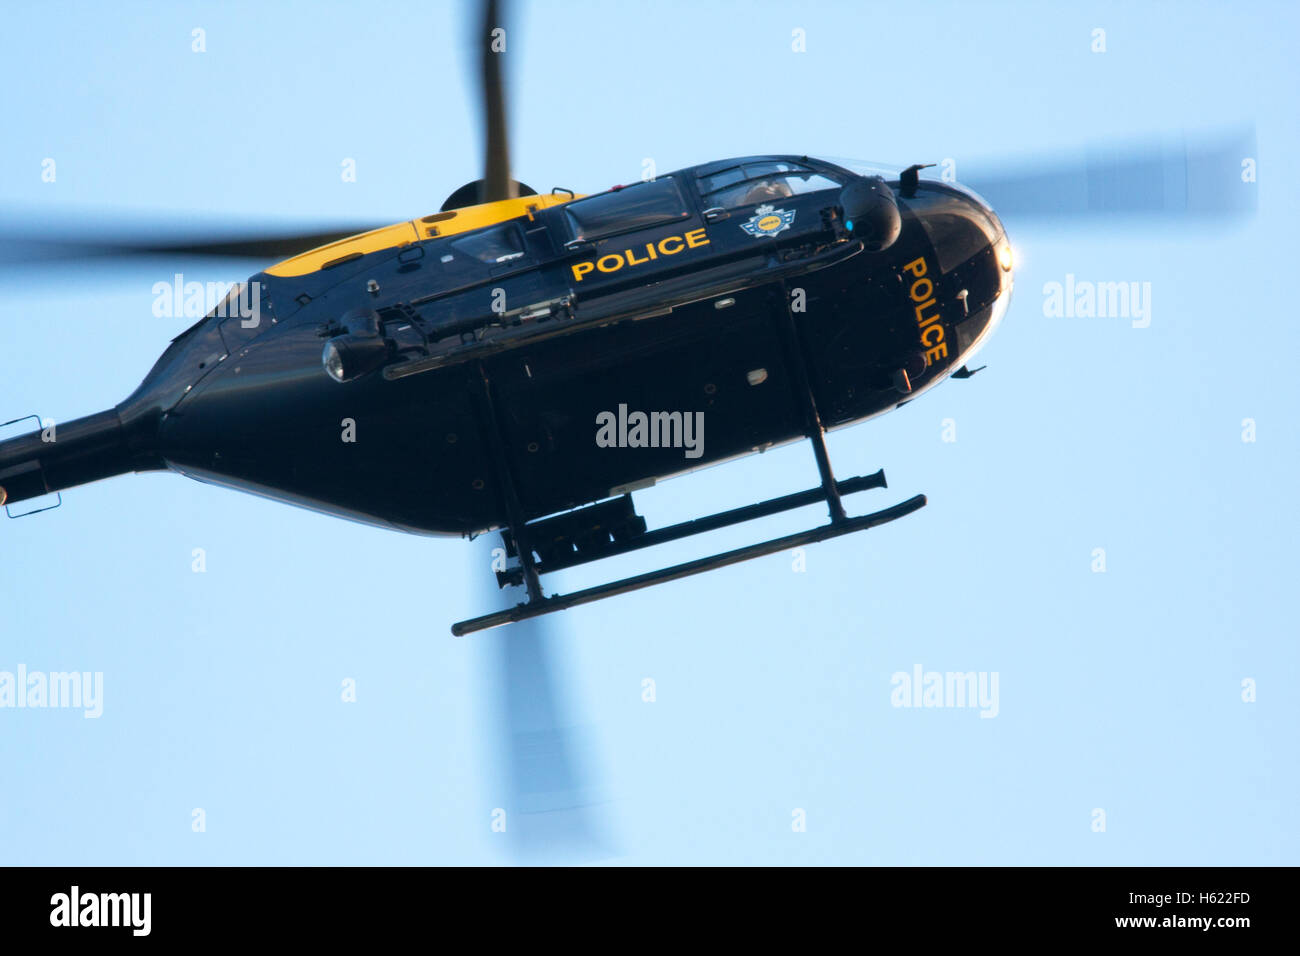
{"type": "Point", "coordinates": [1119, 691]}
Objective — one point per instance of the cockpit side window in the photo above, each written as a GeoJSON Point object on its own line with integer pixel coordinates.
{"type": "Point", "coordinates": [622, 210]}
{"type": "Point", "coordinates": [753, 183]}
{"type": "Point", "coordinates": [494, 245]}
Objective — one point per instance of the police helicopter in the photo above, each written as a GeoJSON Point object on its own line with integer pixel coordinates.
{"type": "Point", "coordinates": [524, 362]}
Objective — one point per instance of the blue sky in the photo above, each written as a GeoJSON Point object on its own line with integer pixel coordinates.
{"type": "Point", "coordinates": [1119, 691]}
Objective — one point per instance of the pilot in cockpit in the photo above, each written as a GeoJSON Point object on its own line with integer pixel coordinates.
{"type": "Point", "coordinates": [767, 190]}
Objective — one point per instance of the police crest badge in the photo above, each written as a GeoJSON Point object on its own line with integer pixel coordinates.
{"type": "Point", "coordinates": [768, 221]}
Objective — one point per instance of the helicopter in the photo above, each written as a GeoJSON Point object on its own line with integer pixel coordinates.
{"type": "Point", "coordinates": [524, 363]}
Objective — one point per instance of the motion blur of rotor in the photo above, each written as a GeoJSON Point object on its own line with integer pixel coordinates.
{"type": "Point", "coordinates": [551, 800]}
{"type": "Point", "coordinates": [1192, 180]}
{"type": "Point", "coordinates": [146, 239]}
{"type": "Point", "coordinates": [545, 777]}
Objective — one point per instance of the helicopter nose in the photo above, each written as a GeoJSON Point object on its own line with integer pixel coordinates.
{"type": "Point", "coordinates": [983, 225]}
{"type": "Point", "coordinates": [1006, 258]}
{"type": "Point", "coordinates": [985, 319]}
{"type": "Point", "coordinates": [972, 252]}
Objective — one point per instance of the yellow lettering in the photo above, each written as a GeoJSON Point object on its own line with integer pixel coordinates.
{"type": "Point", "coordinates": [916, 267]}
{"type": "Point", "coordinates": [929, 288]}
{"type": "Point", "coordinates": [925, 335]}
{"type": "Point", "coordinates": [696, 237]}
{"type": "Point", "coordinates": [936, 353]}
{"type": "Point", "coordinates": [921, 319]}
{"type": "Point", "coordinates": [668, 246]}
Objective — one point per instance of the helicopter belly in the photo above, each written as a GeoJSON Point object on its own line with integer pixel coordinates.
{"type": "Point", "coordinates": [626, 404]}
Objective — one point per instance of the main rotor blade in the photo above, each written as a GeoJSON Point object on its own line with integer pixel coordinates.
{"type": "Point", "coordinates": [1202, 179]}
{"type": "Point", "coordinates": [554, 805]}
{"type": "Point", "coordinates": [493, 41]}
{"type": "Point", "coordinates": [27, 245]}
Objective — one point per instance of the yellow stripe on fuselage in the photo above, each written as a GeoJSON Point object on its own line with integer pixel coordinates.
{"type": "Point", "coordinates": [404, 233]}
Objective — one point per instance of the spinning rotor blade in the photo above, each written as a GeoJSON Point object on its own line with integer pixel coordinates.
{"type": "Point", "coordinates": [497, 183]}
{"type": "Point", "coordinates": [1173, 179]}
{"type": "Point", "coordinates": [552, 802]}
{"type": "Point", "coordinates": [553, 805]}
{"type": "Point", "coordinates": [270, 245]}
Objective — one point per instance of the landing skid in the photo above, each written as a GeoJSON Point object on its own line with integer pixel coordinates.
{"type": "Point", "coordinates": [560, 602]}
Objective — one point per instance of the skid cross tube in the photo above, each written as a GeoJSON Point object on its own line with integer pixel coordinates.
{"type": "Point", "coordinates": [560, 602]}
